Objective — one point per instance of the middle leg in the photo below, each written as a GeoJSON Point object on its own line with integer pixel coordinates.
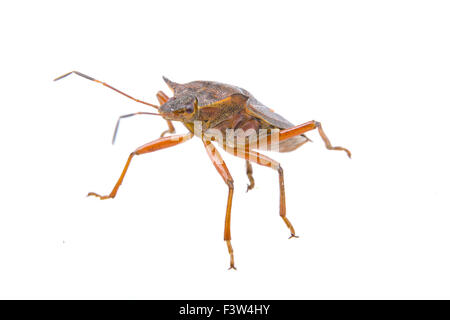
{"type": "Point", "coordinates": [263, 160]}
{"type": "Point", "coordinates": [249, 170]}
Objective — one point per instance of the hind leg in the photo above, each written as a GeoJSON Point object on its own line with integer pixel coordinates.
{"type": "Point", "coordinates": [308, 126]}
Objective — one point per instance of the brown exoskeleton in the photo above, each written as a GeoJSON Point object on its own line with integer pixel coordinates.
{"type": "Point", "coordinates": [213, 111]}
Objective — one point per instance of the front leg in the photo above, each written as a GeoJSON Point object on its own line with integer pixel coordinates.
{"type": "Point", "coordinates": [221, 167]}
{"type": "Point", "coordinates": [158, 144]}
{"type": "Point", "coordinates": [163, 98]}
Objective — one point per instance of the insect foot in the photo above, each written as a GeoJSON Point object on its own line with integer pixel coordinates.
{"type": "Point", "coordinates": [230, 251]}
{"type": "Point", "coordinates": [293, 236]}
{"type": "Point", "coordinates": [99, 196]}
{"type": "Point", "coordinates": [327, 142]}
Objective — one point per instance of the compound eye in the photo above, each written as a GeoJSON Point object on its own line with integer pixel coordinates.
{"type": "Point", "coordinates": [190, 108]}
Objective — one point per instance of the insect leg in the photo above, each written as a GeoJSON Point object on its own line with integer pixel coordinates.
{"type": "Point", "coordinates": [221, 167]}
{"type": "Point", "coordinates": [158, 144]}
{"type": "Point", "coordinates": [106, 85]}
{"type": "Point", "coordinates": [308, 126]}
{"type": "Point", "coordinates": [263, 160]}
{"type": "Point", "coordinates": [163, 98]}
{"type": "Point", "coordinates": [249, 170]}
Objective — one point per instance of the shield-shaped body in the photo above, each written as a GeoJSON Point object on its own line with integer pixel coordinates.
{"type": "Point", "coordinates": [234, 113]}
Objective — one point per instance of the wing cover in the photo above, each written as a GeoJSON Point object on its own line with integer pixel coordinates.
{"type": "Point", "coordinates": [264, 113]}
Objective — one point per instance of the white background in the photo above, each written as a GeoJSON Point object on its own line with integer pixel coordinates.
{"type": "Point", "coordinates": [375, 73]}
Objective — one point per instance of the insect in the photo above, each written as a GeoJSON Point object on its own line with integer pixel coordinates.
{"type": "Point", "coordinates": [211, 111]}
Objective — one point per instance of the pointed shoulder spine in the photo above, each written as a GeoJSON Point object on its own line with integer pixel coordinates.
{"type": "Point", "coordinates": [172, 85]}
